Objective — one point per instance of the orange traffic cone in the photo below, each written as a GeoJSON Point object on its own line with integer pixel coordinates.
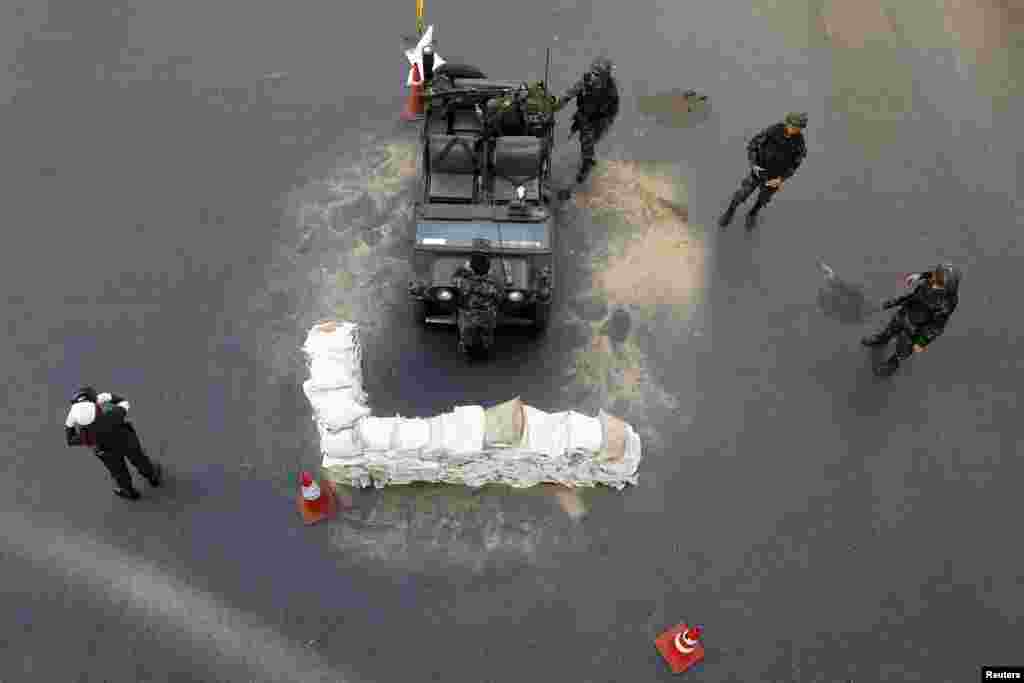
{"type": "Point", "coordinates": [680, 647]}
{"type": "Point", "coordinates": [414, 105]}
{"type": "Point", "coordinates": [316, 503]}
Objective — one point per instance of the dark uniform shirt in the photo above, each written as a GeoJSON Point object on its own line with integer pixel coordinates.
{"type": "Point", "coordinates": [479, 293]}
{"type": "Point", "coordinates": [926, 310]}
{"type": "Point", "coordinates": [777, 154]}
{"type": "Point", "coordinates": [596, 98]}
{"type": "Point", "coordinates": [110, 432]}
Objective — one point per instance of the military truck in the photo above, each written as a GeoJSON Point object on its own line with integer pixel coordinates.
{"type": "Point", "coordinates": [485, 182]}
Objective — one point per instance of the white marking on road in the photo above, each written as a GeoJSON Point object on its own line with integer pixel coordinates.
{"type": "Point", "coordinates": [152, 592]}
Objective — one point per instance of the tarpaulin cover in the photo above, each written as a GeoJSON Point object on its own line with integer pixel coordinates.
{"type": "Point", "coordinates": [511, 443]}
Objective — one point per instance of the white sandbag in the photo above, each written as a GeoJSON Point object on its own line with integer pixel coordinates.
{"type": "Point", "coordinates": [361, 450]}
{"type": "Point", "coordinates": [335, 408]}
{"type": "Point", "coordinates": [377, 433]}
{"type": "Point", "coordinates": [464, 430]}
{"type": "Point", "coordinates": [333, 339]}
{"type": "Point", "coordinates": [546, 433]}
{"type": "Point", "coordinates": [340, 445]}
{"type": "Point", "coordinates": [411, 435]}
{"type": "Point", "coordinates": [585, 433]}
{"type": "Point", "coordinates": [436, 444]}
{"type": "Point", "coordinates": [326, 372]}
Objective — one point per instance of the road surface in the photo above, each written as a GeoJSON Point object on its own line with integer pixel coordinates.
{"type": "Point", "coordinates": [176, 221]}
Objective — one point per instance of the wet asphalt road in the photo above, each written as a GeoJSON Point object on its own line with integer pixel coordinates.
{"type": "Point", "coordinates": [821, 524]}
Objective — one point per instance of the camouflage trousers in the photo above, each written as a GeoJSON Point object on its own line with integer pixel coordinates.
{"type": "Point", "coordinates": [751, 183]}
{"type": "Point", "coordinates": [591, 133]}
{"type": "Point", "coordinates": [476, 329]}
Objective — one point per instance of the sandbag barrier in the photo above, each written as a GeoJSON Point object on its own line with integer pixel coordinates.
{"type": "Point", "coordinates": [510, 443]}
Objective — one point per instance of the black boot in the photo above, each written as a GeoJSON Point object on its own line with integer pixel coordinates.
{"type": "Point", "coordinates": [889, 367]}
{"type": "Point", "coordinates": [726, 218]}
{"type": "Point", "coordinates": [130, 494]}
{"type": "Point", "coordinates": [158, 476]}
{"type": "Point", "coordinates": [751, 221]}
{"type": "Point", "coordinates": [584, 171]}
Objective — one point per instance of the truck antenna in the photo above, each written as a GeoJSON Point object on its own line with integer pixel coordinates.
{"type": "Point", "coordinates": [547, 67]}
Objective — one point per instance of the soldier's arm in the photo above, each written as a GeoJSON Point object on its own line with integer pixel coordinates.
{"type": "Point", "coordinates": [570, 94]}
{"type": "Point", "coordinates": [71, 433]}
{"type": "Point", "coordinates": [116, 399]}
{"type": "Point", "coordinates": [754, 146]}
{"type": "Point", "coordinates": [613, 100]}
{"type": "Point", "coordinates": [934, 330]}
{"type": "Point", "coordinates": [800, 156]}
{"type": "Point", "coordinates": [897, 301]}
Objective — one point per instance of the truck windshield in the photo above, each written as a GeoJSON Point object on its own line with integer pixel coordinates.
{"type": "Point", "coordinates": [462, 234]}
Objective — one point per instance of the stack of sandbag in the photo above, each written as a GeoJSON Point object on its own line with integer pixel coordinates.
{"type": "Point", "coordinates": [509, 443]}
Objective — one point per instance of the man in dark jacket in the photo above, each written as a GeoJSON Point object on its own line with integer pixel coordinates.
{"type": "Point", "coordinates": [597, 105]}
{"type": "Point", "coordinates": [101, 422]}
{"type": "Point", "coordinates": [921, 316]}
{"type": "Point", "coordinates": [774, 154]}
{"type": "Point", "coordinates": [480, 296]}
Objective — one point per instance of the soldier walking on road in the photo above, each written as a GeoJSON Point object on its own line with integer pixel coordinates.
{"type": "Point", "coordinates": [597, 105]}
{"type": "Point", "coordinates": [921, 316]}
{"type": "Point", "coordinates": [101, 421]}
{"type": "Point", "coordinates": [774, 154]}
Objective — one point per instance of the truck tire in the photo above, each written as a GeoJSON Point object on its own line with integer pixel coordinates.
{"type": "Point", "coordinates": [541, 317]}
{"type": "Point", "coordinates": [420, 312]}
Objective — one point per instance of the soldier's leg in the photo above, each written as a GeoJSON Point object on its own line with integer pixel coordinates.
{"type": "Point", "coordinates": [883, 336]}
{"type": "Point", "coordinates": [904, 350]}
{"type": "Point", "coordinates": [463, 326]}
{"type": "Point", "coordinates": [763, 197]}
{"type": "Point", "coordinates": [146, 467]}
{"type": "Point", "coordinates": [587, 152]}
{"type": "Point", "coordinates": [487, 331]}
{"type": "Point", "coordinates": [114, 462]}
{"type": "Point", "coordinates": [747, 187]}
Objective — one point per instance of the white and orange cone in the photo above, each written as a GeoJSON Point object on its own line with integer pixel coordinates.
{"type": "Point", "coordinates": [315, 503]}
{"type": "Point", "coordinates": [680, 647]}
{"type": "Point", "coordinates": [414, 104]}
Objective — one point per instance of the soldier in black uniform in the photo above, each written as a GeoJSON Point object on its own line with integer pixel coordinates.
{"type": "Point", "coordinates": [480, 296]}
{"type": "Point", "coordinates": [774, 154]}
{"type": "Point", "coordinates": [921, 316]}
{"type": "Point", "coordinates": [101, 421]}
{"type": "Point", "coordinates": [597, 105]}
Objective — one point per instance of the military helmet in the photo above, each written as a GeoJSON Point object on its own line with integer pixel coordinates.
{"type": "Point", "coordinates": [796, 119]}
{"type": "Point", "coordinates": [602, 65]}
{"type": "Point", "coordinates": [480, 263]}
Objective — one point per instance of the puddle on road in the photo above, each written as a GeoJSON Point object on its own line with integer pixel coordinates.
{"type": "Point", "coordinates": [647, 270]}
{"type": "Point", "coordinates": [426, 526]}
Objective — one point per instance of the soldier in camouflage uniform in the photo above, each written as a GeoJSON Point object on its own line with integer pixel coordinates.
{"type": "Point", "coordinates": [480, 295]}
{"type": "Point", "coordinates": [506, 115]}
{"type": "Point", "coordinates": [774, 154]}
{"type": "Point", "coordinates": [597, 105]}
{"type": "Point", "coordinates": [921, 316]}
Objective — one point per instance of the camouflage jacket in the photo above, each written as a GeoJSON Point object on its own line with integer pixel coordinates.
{"type": "Point", "coordinates": [777, 154]}
{"type": "Point", "coordinates": [926, 310]}
{"type": "Point", "coordinates": [595, 98]}
{"type": "Point", "coordinates": [477, 292]}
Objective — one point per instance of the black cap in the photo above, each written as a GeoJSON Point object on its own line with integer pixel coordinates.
{"type": "Point", "coordinates": [85, 393]}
